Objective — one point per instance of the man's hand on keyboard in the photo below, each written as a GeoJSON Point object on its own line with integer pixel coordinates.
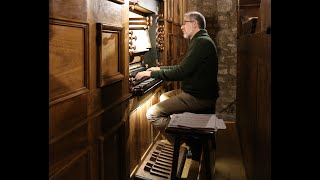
{"type": "Point", "coordinates": [142, 74]}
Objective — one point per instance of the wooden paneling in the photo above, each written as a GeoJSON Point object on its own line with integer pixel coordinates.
{"type": "Point", "coordinates": [109, 54]}
{"type": "Point", "coordinates": [249, 2]}
{"type": "Point", "coordinates": [145, 135]}
{"type": "Point", "coordinates": [264, 16]}
{"type": "Point", "coordinates": [80, 111]}
{"type": "Point", "coordinates": [254, 104]}
{"type": "Point", "coordinates": [79, 169]}
{"type": "Point", "coordinates": [68, 87]}
{"type": "Point", "coordinates": [68, 9]}
{"type": "Point", "coordinates": [156, 99]}
{"type": "Point", "coordinates": [68, 60]}
{"type": "Point", "coordinates": [111, 153]}
{"type": "Point", "coordinates": [141, 134]}
{"type": "Point", "coordinates": [110, 41]}
{"type": "Point", "coordinates": [65, 115]}
{"type": "Point", "coordinates": [177, 11]}
{"type": "Point", "coordinates": [133, 141]}
{"type": "Point", "coordinates": [169, 10]}
{"type": "Point", "coordinates": [66, 147]}
{"type": "Point", "coordinates": [88, 124]}
{"type": "Point", "coordinates": [112, 142]}
{"type": "Point", "coordinates": [247, 104]}
{"type": "Point", "coordinates": [263, 126]}
{"type": "Point", "coordinates": [108, 12]}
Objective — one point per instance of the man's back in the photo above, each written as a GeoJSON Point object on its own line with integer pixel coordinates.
{"type": "Point", "coordinates": [202, 60]}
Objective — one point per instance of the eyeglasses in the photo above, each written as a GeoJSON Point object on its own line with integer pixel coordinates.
{"type": "Point", "coordinates": [184, 22]}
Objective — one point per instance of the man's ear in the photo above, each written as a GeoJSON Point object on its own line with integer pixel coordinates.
{"type": "Point", "coordinates": [195, 24]}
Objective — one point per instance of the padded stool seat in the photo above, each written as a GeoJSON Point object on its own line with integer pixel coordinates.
{"type": "Point", "coordinates": [205, 137]}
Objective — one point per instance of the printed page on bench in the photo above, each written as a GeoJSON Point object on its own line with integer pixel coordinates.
{"type": "Point", "coordinates": [198, 121]}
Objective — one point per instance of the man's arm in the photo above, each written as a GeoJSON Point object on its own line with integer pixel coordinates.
{"type": "Point", "coordinates": [153, 69]}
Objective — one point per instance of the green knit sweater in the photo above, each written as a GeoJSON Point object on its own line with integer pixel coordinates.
{"type": "Point", "coordinates": [198, 70]}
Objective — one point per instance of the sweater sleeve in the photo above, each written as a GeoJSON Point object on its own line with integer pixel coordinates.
{"type": "Point", "coordinates": [185, 68]}
{"type": "Point", "coordinates": [167, 67]}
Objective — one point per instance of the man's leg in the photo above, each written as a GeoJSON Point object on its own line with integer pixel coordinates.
{"type": "Point", "coordinates": [170, 94]}
{"type": "Point", "coordinates": [175, 102]}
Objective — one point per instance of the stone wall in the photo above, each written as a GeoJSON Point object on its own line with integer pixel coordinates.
{"type": "Point", "coordinates": [221, 18]}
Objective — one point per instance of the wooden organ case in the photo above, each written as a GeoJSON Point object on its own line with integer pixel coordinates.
{"type": "Point", "coordinates": [97, 126]}
{"type": "Point", "coordinates": [145, 92]}
{"type": "Point", "coordinates": [167, 48]}
{"type": "Point", "coordinates": [127, 138]}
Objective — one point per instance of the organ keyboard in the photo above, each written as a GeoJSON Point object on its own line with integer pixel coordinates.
{"type": "Point", "coordinates": [141, 86]}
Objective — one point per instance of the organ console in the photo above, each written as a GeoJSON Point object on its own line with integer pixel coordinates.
{"type": "Point", "coordinates": [150, 158]}
{"type": "Point", "coordinates": [141, 86]}
{"type": "Point", "coordinates": [140, 45]}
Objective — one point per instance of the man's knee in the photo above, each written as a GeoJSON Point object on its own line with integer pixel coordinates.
{"type": "Point", "coordinates": [152, 113]}
{"type": "Point", "coordinates": [155, 117]}
{"type": "Point", "coordinates": [163, 97]}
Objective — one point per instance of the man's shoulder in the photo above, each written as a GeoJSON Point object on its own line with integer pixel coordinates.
{"type": "Point", "coordinates": [204, 40]}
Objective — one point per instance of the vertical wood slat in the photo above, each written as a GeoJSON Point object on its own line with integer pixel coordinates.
{"type": "Point", "coordinates": [254, 104]}
{"type": "Point", "coordinates": [111, 149]}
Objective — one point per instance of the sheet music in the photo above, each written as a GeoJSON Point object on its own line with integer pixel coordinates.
{"type": "Point", "coordinates": [199, 121]}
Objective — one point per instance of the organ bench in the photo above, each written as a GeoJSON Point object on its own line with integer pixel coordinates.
{"type": "Point", "coordinates": [208, 145]}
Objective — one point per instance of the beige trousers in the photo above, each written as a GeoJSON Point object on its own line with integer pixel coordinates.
{"type": "Point", "coordinates": [173, 102]}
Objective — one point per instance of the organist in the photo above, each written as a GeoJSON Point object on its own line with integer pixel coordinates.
{"type": "Point", "coordinates": [197, 73]}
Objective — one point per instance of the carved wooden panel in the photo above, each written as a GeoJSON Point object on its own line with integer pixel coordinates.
{"type": "Point", "coordinates": [263, 124]}
{"type": "Point", "coordinates": [64, 148]}
{"type": "Point", "coordinates": [254, 102]}
{"type": "Point", "coordinates": [79, 169]}
{"type": "Point", "coordinates": [141, 134]}
{"type": "Point", "coordinates": [111, 156]}
{"type": "Point", "coordinates": [111, 118]}
{"type": "Point", "coordinates": [155, 100]}
{"type": "Point", "coordinates": [65, 115]}
{"type": "Point", "coordinates": [108, 12]}
{"type": "Point", "coordinates": [145, 135]}
{"type": "Point", "coordinates": [109, 39]}
{"type": "Point", "coordinates": [133, 141]}
{"type": "Point", "coordinates": [75, 10]}
{"type": "Point", "coordinates": [68, 60]}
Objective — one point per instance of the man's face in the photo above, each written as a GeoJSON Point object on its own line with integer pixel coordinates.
{"type": "Point", "coordinates": [187, 28]}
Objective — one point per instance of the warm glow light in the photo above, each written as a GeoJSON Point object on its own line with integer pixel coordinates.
{"type": "Point", "coordinates": [148, 101]}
